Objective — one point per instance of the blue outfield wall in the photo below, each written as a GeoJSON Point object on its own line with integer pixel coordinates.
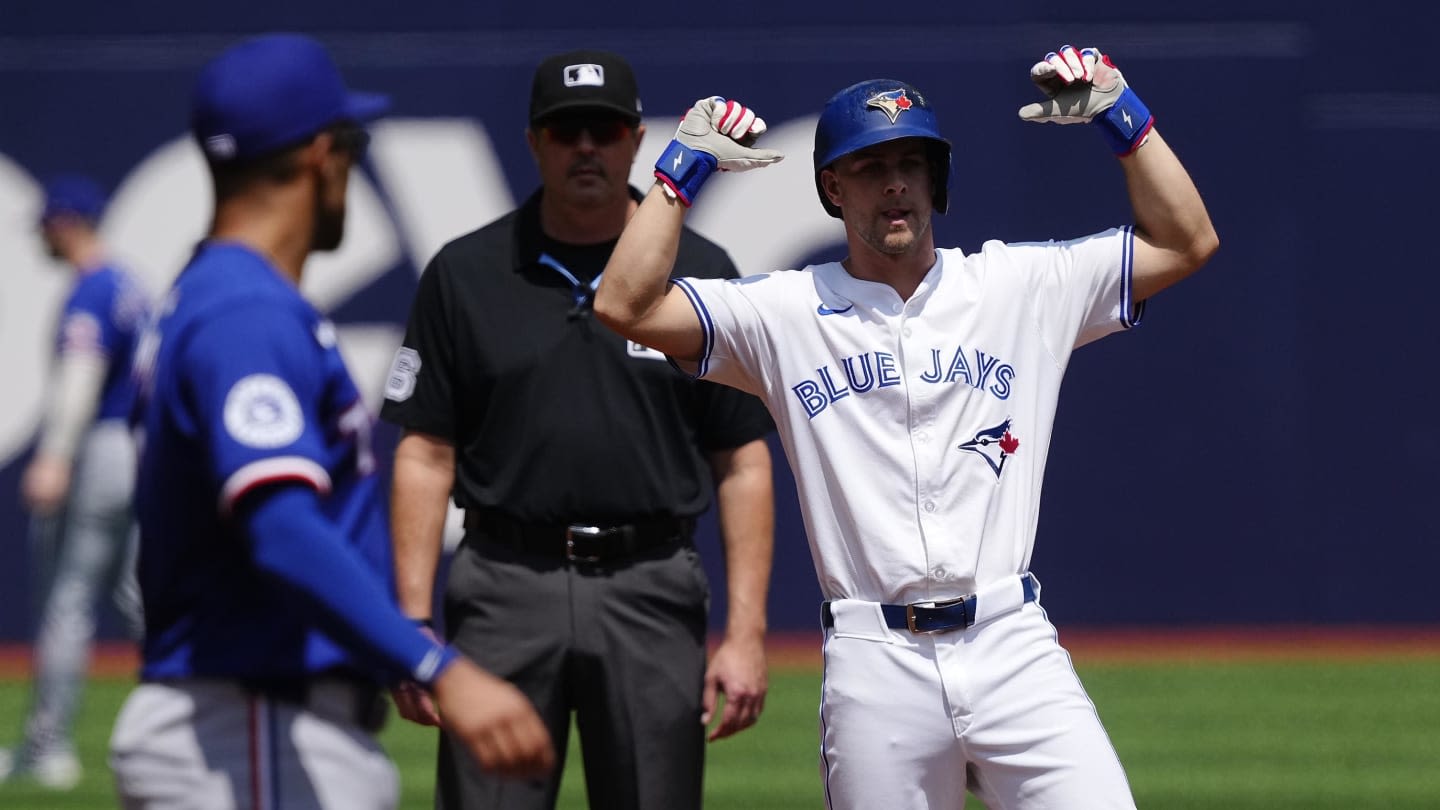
{"type": "Point", "coordinates": [1260, 449]}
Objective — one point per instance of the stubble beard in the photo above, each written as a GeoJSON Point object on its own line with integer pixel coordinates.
{"type": "Point", "coordinates": [891, 242]}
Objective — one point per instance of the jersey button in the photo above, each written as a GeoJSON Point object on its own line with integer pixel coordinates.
{"type": "Point", "coordinates": [939, 574]}
{"type": "Point", "coordinates": [929, 506]}
{"type": "Point", "coordinates": [905, 332]}
{"type": "Point", "coordinates": [897, 308]}
{"type": "Point", "coordinates": [922, 437]}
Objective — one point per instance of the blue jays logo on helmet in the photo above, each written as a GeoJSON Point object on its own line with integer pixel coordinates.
{"type": "Point", "coordinates": [873, 112]}
{"type": "Point", "coordinates": [994, 444]}
{"type": "Point", "coordinates": [891, 103]}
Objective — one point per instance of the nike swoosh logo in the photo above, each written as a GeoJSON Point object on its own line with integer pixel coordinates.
{"type": "Point", "coordinates": [824, 310]}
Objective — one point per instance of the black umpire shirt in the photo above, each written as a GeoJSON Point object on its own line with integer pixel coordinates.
{"type": "Point", "coordinates": [555, 418]}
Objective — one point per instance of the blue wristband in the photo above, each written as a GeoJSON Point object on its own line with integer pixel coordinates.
{"type": "Point", "coordinates": [435, 661]}
{"type": "Point", "coordinates": [1126, 123]}
{"type": "Point", "coordinates": [684, 170]}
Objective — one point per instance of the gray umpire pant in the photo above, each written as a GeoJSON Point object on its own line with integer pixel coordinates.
{"type": "Point", "coordinates": [621, 646]}
{"type": "Point", "coordinates": [86, 551]}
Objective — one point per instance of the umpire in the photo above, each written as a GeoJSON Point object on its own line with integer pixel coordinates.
{"type": "Point", "coordinates": [581, 461]}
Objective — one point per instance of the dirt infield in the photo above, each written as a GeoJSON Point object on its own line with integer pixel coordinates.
{"type": "Point", "coordinates": [1086, 646]}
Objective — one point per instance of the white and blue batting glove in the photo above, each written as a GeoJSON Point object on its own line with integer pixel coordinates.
{"type": "Point", "coordinates": [714, 134]}
{"type": "Point", "coordinates": [1084, 87]}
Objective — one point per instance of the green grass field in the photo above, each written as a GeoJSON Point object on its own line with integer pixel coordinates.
{"type": "Point", "coordinates": [1268, 736]}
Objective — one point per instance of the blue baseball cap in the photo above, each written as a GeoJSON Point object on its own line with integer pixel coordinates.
{"type": "Point", "coordinates": [271, 92]}
{"type": "Point", "coordinates": [73, 194]}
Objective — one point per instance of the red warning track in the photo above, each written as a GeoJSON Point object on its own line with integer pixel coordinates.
{"type": "Point", "coordinates": [1086, 646]}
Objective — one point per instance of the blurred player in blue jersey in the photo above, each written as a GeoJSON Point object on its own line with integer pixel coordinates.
{"type": "Point", "coordinates": [79, 484]}
{"type": "Point", "coordinates": [270, 625]}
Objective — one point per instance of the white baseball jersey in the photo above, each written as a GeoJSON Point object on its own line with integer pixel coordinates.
{"type": "Point", "coordinates": [918, 430]}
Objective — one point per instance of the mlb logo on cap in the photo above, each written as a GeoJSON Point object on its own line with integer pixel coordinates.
{"type": "Point", "coordinates": [584, 83]}
{"type": "Point", "coordinates": [587, 75]}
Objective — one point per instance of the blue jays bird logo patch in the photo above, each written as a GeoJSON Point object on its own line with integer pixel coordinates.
{"type": "Point", "coordinates": [994, 444]}
{"type": "Point", "coordinates": [891, 102]}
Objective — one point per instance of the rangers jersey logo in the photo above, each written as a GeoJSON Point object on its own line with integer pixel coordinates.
{"type": "Point", "coordinates": [994, 444]}
{"type": "Point", "coordinates": [892, 103]}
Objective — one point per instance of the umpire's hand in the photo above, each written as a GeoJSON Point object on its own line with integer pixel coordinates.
{"type": "Point", "coordinates": [494, 720]}
{"type": "Point", "coordinates": [737, 671]}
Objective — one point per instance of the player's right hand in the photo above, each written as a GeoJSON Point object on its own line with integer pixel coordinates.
{"type": "Point", "coordinates": [727, 131]}
{"type": "Point", "coordinates": [494, 721]}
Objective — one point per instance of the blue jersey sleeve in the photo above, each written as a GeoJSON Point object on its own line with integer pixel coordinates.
{"type": "Point", "coordinates": [292, 542]}
{"type": "Point", "coordinates": [255, 377]}
{"type": "Point", "coordinates": [86, 325]}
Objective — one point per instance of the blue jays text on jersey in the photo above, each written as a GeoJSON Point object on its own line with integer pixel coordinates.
{"type": "Point", "coordinates": [871, 371]}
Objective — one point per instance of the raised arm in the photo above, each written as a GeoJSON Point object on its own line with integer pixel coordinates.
{"type": "Point", "coordinates": [1174, 235]}
{"type": "Point", "coordinates": [634, 297]}
{"type": "Point", "coordinates": [1173, 232]}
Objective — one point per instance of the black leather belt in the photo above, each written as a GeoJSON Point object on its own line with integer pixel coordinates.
{"type": "Point", "coordinates": [952, 614]}
{"type": "Point", "coordinates": [580, 542]}
{"type": "Point", "coordinates": [341, 697]}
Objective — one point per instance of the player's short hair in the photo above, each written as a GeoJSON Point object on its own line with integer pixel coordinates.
{"type": "Point", "coordinates": [234, 177]}
{"type": "Point", "coordinates": [231, 177]}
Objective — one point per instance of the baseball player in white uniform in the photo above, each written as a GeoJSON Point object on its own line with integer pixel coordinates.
{"type": "Point", "coordinates": [915, 391]}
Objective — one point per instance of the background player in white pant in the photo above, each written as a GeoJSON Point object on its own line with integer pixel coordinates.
{"type": "Point", "coordinates": [270, 624]}
{"type": "Point", "coordinates": [79, 484]}
{"type": "Point", "coordinates": [915, 391]}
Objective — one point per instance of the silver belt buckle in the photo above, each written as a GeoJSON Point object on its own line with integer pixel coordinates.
{"type": "Point", "coordinates": [575, 530]}
{"type": "Point", "coordinates": [910, 616]}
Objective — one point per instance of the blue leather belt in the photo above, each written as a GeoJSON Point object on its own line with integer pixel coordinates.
{"type": "Point", "coordinates": [952, 614]}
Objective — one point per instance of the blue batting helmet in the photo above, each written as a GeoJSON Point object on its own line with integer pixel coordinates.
{"type": "Point", "coordinates": [877, 111]}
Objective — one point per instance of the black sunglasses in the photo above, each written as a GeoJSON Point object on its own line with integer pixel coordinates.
{"type": "Point", "coordinates": [603, 131]}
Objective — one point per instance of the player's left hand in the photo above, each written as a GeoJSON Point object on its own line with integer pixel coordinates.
{"type": "Point", "coordinates": [726, 130]}
{"type": "Point", "coordinates": [1084, 86]}
{"type": "Point", "coordinates": [46, 484]}
{"type": "Point", "coordinates": [714, 134]}
{"type": "Point", "coordinates": [737, 671]}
